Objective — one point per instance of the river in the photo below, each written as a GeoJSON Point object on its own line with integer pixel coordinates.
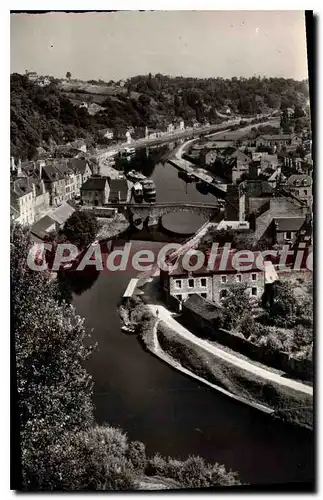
{"type": "Point", "coordinates": [169, 412]}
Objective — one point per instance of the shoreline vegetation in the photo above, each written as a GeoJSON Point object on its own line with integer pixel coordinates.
{"type": "Point", "coordinates": [61, 446]}
{"type": "Point", "coordinates": [281, 402]}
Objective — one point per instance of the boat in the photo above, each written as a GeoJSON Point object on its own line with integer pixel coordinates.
{"type": "Point", "coordinates": [137, 192]}
{"type": "Point", "coordinates": [149, 190]}
{"type": "Point", "coordinates": [135, 176]}
{"type": "Point", "coordinates": [202, 187]}
{"type": "Point", "coordinates": [186, 176]}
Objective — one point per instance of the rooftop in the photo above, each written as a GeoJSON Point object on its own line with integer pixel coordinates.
{"type": "Point", "coordinates": [94, 184]}
{"type": "Point", "coordinates": [202, 307]}
{"type": "Point", "coordinates": [42, 227]}
{"type": "Point", "coordinates": [62, 213]}
{"type": "Point", "coordinates": [289, 223]}
{"type": "Point", "coordinates": [299, 180]}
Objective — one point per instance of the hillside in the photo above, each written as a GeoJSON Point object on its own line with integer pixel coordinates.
{"type": "Point", "coordinates": [41, 113]}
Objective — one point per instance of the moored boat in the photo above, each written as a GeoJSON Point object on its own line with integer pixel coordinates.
{"type": "Point", "coordinates": [135, 176]}
{"type": "Point", "coordinates": [149, 189]}
{"type": "Point", "coordinates": [137, 192]}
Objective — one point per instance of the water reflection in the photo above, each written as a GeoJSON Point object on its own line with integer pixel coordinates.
{"type": "Point", "coordinates": [143, 160]}
{"type": "Point", "coordinates": [76, 282]}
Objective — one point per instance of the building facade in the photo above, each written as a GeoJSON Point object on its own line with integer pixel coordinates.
{"type": "Point", "coordinates": [95, 191]}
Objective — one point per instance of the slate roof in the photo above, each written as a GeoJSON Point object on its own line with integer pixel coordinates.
{"type": "Point", "coordinates": [299, 180]}
{"type": "Point", "coordinates": [289, 223]}
{"type": "Point", "coordinates": [20, 187]}
{"type": "Point", "coordinates": [202, 307]}
{"type": "Point", "coordinates": [277, 137]}
{"type": "Point", "coordinates": [179, 270]}
{"type": "Point", "coordinates": [257, 188]}
{"type": "Point", "coordinates": [41, 227]}
{"type": "Point", "coordinates": [118, 186]}
{"type": "Point", "coordinates": [78, 164]}
{"type": "Point", "coordinates": [94, 184]}
{"type": "Point", "coordinates": [50, 173]}
{"type": "Point", "coordinates": [62, 213]}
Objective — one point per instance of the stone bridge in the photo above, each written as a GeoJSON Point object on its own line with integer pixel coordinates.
{"type": "Point", "coordinates": [151, 213]}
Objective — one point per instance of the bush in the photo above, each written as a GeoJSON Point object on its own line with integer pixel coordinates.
{"type": "Point", "coordinates": [89, 461]}
{"type": "Point", "coordinates": [136, 454]}
{"type": "Point", "coordinates": [156, 465]}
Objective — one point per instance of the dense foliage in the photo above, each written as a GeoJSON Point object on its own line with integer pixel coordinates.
{"type": "Point", "coordinates": [41, 113]}
{"type": "Point", "coordinates": [61, 448]}
{"type": "Point", "coordinates": [54, 388]}
{"type": "Point", "coordinates": [81, 228]}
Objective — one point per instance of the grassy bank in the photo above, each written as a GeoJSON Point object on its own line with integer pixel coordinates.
{"type": "Point", "coordinates": [289, 405]}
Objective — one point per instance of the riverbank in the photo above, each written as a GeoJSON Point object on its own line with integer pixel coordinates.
{"type": "Point", "coordinates": [281, 402]}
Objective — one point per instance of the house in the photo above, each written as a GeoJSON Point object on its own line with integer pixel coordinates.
{"type": "Point", "coordinates": [118, 190]}
{"type": "Point", "coordinates": [43, 227]}
{"type": "Point", "coordinates": [41, 197]}
{"type": "Point", "coordinates": [107, 133]}
{"type": "Point", "coordinates": [69, 178]}
{"type": "Point", "coordinates": [201, 314]}
{"type": "Point", "coordinates": [95, 191]}
{"type": "Point", "coordinates": [170, 128]}
{"type": "Point", "coordinates": [232, 164]}
{"type": "Point", "coordinates": [79, 145]}
{"type": "Point", "coordinates": [207, 157]}
{"type": "Point", "coordinates": [43, 81]}
{"type": "Point", "coordinates": [246, 197]}
{"type": "Point", "coordinates": [278, 140]}
{"type": "Point", "coordinates": [213, 284]}
{"type": "Point", "coordinates": [21, 201]}
{"type": "Point", "coordinates": [289, 214]}
{"type": "Point", "coordinates": [32, 75]}
{"type": "Point", "coordinates": [285, 229]}
{"type": "Point", "coordinates": [80, 166]}
{"type": "Point", "coordinates": [54, 182]}
{"type": "Point", "coordinates": [300, 186]}
{"type": "Point", "coordinates": [62, 213]}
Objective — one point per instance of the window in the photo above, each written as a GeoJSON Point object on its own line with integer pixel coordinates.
{"type": "Point", "coordinates": [203, 281]}
{"type": "Point", "coordinates": [179, 297]}
{"type": "Point", "coordinates": [178, 284]}
{"type": "Point", "coordinates": [223, 294]}
{"type": "Point", "coordinates": [288, 235]}
{"type": "Point", "coordinates": [254, 291]}
{"type": "Point", "coordinates": [238, 278]}
{"type": "Point", "coordinates": [254, 276]}
{"type": "Point", "coordinates": [305, 192]}
{"type": "Point", "coordinates": [191, 283]}
{"type": "Point", "coordinates": [223, 279]}
{"type": "Point", "coordinates": [204, 295]}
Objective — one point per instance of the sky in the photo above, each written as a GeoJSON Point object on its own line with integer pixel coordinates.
{"type": "Point", "coordinates": [118, 45]}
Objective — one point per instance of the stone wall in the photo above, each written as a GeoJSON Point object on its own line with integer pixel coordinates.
{"type": "Point", "coordinates": [280, 360]}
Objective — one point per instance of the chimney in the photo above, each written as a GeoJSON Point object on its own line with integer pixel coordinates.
{"type": "Point", "coordinates": [13, 166]}
{"type": "Point", "coordinates": [19, 171]}
{"type": "Point", "coordinates": [242, 203]}
{"type": "Point", "coordinates": [34, 189]}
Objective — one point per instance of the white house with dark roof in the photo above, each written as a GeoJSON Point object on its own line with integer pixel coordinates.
{"type": "Point", "coordinates": [278, 140]}
{"type": "Point", "coordinates": [300, 185]}
{"type": "Point", "coordinates": [95, 191]}
{"type": "Point", "coordinates": [22, 202]}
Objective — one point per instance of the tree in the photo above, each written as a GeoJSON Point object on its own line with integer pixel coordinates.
{"type": "Point", "coordinates": [53, 386]}
{"type": "Point", "coordinates": [68, 75]}
{"type": "Point", "coordinates": [235, 304]}
{"type": "Point", "coordinates": [81, 228]}
{"type": "Point", "coordinates": [283, 305]}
